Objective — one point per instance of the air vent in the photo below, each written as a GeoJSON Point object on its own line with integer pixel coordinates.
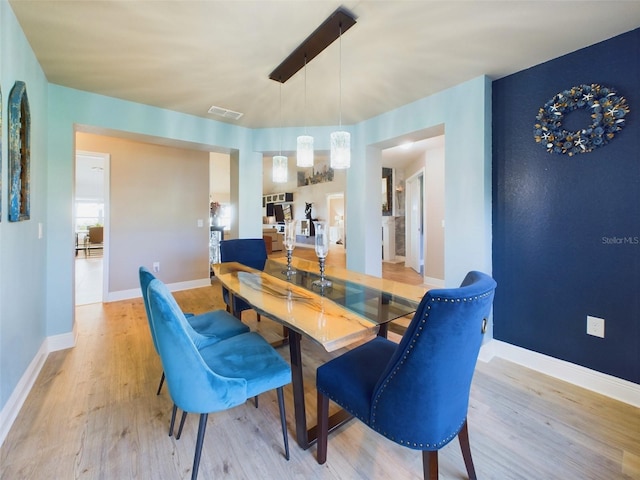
{"type": "Point", "coordinates": [225, 112]}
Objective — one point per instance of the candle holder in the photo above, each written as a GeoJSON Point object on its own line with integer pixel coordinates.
{"type": "Point", "coordinates": [289, 245]}
{"type": "Point", "coordinates": [322, 250]}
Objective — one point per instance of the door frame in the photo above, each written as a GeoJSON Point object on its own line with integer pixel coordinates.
{"type": "Point", "coordinates": [106, 158]}
{"type": "Point", "coordinates": [414, 222]}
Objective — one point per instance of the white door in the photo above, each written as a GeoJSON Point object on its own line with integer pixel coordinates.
{"type": "Point", "coordinates": [414, 223]}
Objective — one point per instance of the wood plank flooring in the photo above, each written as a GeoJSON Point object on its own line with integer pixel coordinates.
{"type": "Point", "coordinates": [93, 414]}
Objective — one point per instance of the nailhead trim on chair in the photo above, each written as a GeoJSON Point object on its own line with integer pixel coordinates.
{"type": "Point", "coordinates": [393, 373]}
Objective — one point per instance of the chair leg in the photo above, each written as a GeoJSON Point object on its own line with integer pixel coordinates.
{"type": "Point", "coordinates": [283, 421]}
{"type": "Point", "coordinates": [196, 458]}
{"type": "Point", "coordinates": [182, 419]}
{"type": "Point", "coordinates": [430, 464]}
{"type": "Point", "coordinates": [323, 428]}
{"type": "Point", "coordinates": [173, 419]}
{"type": "Point", "coordinates": [255, 400]}
{"type": "Point", "coordinates": [161, 383]}
{"type": "Point", "coordinates": [463, 437]}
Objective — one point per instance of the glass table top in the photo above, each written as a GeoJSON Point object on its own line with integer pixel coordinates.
{"type": "Point", "coordinates": [375, 305]}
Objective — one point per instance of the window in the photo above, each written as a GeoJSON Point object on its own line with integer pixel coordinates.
{"type": "Point", "coordinates": [88, 214]}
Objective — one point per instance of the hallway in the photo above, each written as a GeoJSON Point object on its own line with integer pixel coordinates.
{"type": "Point", "coordinates": [88, 279]}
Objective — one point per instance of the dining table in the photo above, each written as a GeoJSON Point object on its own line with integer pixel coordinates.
{"type": "Point", "coordinates": [355, 308]}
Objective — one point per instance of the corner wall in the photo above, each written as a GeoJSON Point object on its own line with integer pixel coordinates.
{"type": "Point", "coordinates": [22, 253]}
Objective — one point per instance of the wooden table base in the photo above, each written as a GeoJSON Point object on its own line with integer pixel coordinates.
{"type": "Point", "coordinates": [306, 436]}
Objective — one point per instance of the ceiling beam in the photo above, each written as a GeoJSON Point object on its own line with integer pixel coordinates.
{"type": "Point", "coordinates": [338, 22]}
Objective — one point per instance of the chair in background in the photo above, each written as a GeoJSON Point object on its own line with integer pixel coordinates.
{"type": "Point", "coordinates": [415, 393]}
{"type": "Point", "coordinates": [217, 377]}
{"type": "Point", "coordinates": [251, 252]}
{"type": "Point", "coordinates": [208, 328]}
{"type": "Point", "coordinates": [94, 240]}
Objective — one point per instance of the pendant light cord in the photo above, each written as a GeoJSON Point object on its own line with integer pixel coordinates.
{"type": "Point", "coordinates": [340, 77]}
{"type": "Point", "coordinates": [305, 94]}
{"type": "Point", "coordinates": [280, 118]}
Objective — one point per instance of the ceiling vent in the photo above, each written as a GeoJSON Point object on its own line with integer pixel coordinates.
{"type": "Point", "coordinates": [225, 113]}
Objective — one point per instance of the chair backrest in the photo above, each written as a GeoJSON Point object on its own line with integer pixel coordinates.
{"type": "Point", "coordinates": [193, 386]}
{"type": "Point", "coordinates": [96, 234]}
{"type": "Point", "coordinates": [146, 277]}
{"type": "Point", "coordinates": [251, 252]}
{"type": "Point", "coordinates": [421, 399]}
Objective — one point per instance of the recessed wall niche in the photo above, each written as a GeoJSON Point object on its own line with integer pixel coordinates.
{"type": "Point", "coordinates": [19, 153]}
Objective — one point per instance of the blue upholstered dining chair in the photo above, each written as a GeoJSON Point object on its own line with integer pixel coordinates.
{"type": "Point", "coordinates": [251, 252]}
{"type": "Point", "coordinates": [415, 393]}
{"type": "Point", "coordinates": [216, 377]}
{"type": "Point", "coordinates": [207, 328]}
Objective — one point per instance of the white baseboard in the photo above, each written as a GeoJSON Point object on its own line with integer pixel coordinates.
{"type": "Point", "coordinates": [436, 282]}
{"type": "Point", "coordinates": [173, 287]}
{"type": "Point", "coordinates": [62, 341]}
{"type": "Point", "coordinates": [10, 411]}
{"type": "Point", "coordinates": [608, 385]}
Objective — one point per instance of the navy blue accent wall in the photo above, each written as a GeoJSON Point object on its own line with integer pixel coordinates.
{"type": "Point", "coordinates": [566, 233]}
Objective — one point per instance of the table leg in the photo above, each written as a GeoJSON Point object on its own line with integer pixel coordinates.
{"type": "Point", "coordinates": [306, 437]}
{"type": "Point", "coordinates": [297, 382]}
{"type": "Point", "coordinates": [383, 330]}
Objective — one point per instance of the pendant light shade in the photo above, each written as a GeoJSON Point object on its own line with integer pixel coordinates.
{"type": "Point", "coordinates": [340, 140]}
{"type": "Point", "coordinates": [304, 154]}
{"type": "Point", "coordinates": [280, 172]}
{"type": "Point", "coordinates": [340, 150]}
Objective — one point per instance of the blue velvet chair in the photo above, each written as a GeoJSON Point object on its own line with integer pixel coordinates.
{"type": "Point", "coordinates": [215, 377]}
{"type": "Point", "coordinates": [207, 328]}
{"type": "Point", "coordinates": [415, 393]}
{"type": "Point", "coordinates": [251, 252]}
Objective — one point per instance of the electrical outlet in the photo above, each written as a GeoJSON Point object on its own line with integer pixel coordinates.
{"type": "Point", "coordinates": [595, 326]}
{"type": "Point", "coordinates": [156, 267]}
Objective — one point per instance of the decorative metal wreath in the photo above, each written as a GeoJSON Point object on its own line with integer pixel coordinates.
{"type": "Point", "coordinates": [608, 112]}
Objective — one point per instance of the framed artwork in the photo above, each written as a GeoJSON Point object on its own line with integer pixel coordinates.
{"type": "Point", "coordinates": [19, 153]}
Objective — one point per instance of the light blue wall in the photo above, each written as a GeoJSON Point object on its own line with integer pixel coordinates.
{"type": "Point", "coordinates": [69, 109]}
{"type": "Point", "coordinates": [22, 254]}
{"type": "Point", "coordinates": [465, 111]}
{"type": "Point", "coordinates": [36, 275]}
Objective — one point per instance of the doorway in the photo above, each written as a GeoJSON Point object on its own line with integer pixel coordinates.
{"type": "Point", "coordinates": [90, 211]}
{"type": "Point", "coordinates": [415, 222]}
{"type": "Point", "coordinates": [335, 214]}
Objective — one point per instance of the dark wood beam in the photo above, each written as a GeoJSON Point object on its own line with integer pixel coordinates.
{"type": "Point", "coordinates": [339, 21]}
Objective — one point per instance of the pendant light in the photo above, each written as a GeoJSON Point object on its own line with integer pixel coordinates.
{"type": "Point", "coordinates": [304, 153]}
{"type": "Point", "coordinates": [340, 140]}
{"type": "Point", "coordinates": [280, 171]}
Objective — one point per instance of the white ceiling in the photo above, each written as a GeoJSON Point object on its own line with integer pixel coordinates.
{"type": "Point", "coordinates": [189, 55]}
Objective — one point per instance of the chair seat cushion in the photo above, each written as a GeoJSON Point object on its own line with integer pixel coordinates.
{"type": "Point", "coordinates": [349, 379]}
{"type": "Point", "coordinates": [215, 326]}
{"type": "Point", "coordinates": [248, 356]}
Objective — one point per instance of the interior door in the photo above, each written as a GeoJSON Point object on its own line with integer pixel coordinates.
{"type": "Point", "coordinates": [414, 223]}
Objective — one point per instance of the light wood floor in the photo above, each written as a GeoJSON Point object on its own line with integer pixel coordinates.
{"type": "Point", "coordinates": [88, 276]}
{"type": "Point", "coordinates": [93, 414]}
